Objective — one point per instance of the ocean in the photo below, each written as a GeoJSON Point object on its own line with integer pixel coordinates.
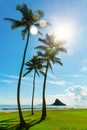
{"type": "Point", "coordinates": [12, 108]}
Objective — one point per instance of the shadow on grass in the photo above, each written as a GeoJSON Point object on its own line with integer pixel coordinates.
{"type": "Point", "coordinates": [13, 124]}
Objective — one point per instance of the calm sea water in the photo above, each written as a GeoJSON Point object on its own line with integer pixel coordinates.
{"type": "Point", "coordinates": [10, 108]}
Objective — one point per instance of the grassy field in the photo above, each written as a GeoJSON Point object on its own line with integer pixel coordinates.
{"type": "Point", "coordinates": [71, 119]}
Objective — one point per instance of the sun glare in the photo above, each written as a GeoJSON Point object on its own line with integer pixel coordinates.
{"type": "Point", "coordinates": [64, 32]}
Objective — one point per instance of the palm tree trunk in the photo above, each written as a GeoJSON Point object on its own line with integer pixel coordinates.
{"type": "Point", "coordinates": [43, 116]}
{"type": "Point", "coordinates": [32, 112]}
{"type": "Point", "coordinates": [22, 122]}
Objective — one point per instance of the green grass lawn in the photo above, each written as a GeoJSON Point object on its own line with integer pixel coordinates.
{"type": "Point", "coordinates": [71, 119]}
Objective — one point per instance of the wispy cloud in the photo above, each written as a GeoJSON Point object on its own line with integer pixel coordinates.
{"type": "Point", "coordinates": [55, 82]}
{"type": "Point", "coordinates": [13, 79]}
{"type": "Point", "coordinates": [72, 75]}
{"type": "Point", "coordinates": [10, 76]}
{"type": "Point", "coordinates": [75, 75]}
{"type": "Point", "coordinates": [6, 81]}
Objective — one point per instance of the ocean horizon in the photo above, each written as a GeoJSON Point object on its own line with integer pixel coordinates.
{"type": "Point", "coordinates": [13, 108]}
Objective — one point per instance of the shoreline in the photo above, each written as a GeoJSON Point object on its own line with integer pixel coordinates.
{"type": "Point", "coordinates": [13, 108]}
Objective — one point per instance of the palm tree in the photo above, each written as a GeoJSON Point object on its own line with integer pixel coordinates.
{"type": "Point", "coordinates": [28, 19]}
{"type": "Point", "coordinates": [35, 64]}
{"type": "Point", "coordinates": [48, 52]}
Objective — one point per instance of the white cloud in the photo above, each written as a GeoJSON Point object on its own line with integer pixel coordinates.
{"type": "Point", "coordinates": [16, 77]}
{"type": "Point", "coordinates": [6, 81]}
{"type": "Point", "coordinates": [79, 93]}
{"type": "Point", "coordinates": [10, 76]}
{"type": "Point", "coordinates": [75, 96]}
{"type": "Point", "coordinates": [56, 82]}
{"type": "Point", "coordinates": [72, 75]}
{"type": "Point", "coordinates": [76, 75]}
{"type": "Point", "coordinates": [67, 99]}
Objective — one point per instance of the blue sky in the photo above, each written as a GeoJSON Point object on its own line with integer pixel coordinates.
{"type": "Point", "coordinates": [69, 82]}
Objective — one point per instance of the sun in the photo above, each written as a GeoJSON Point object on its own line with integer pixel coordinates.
{"type": "Point", "coordinates": [64, 32]}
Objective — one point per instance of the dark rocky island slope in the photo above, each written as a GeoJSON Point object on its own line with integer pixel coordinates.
{"type": "Point", "coordinates": [58, 103]}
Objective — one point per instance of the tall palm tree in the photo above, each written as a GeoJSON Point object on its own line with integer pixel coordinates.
{"type": "Point", "coordinates": [49, 52]}
{"type": "Point", "coordinates": [28, 19]}
{"type": "Point", "coordinates": [35, 64]}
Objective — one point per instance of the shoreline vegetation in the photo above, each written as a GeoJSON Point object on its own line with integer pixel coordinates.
{"type": "Point", "coordinates": [65, 119]}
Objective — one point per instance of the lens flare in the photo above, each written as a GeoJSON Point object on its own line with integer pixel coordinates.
{"type": "Point", "coordinates": [36, 16]}
{"type": "Point", "coordinates": [33, 30]}
{"type": "Point", "coordinates": [42, 23]}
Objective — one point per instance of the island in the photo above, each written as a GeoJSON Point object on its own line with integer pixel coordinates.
{"type": "Point", "coordinates": [58, 103]}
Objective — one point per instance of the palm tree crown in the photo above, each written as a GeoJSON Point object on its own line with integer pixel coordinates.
{"type": "Point", "coordinates": [49, 52]}
{"type": "Point", "coordinates": [35, 64]}
{"type": "Point", "coordinates": [28, 18]}
{"type": "Point", "coordinates": [50, 49]}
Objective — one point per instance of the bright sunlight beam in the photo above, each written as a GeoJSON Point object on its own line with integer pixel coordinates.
{"type": "Point", "coordinates": [64, 32]}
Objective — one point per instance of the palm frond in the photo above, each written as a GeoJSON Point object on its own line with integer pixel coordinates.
{"type": "Point", "coordinates": [43, 48]}
{"type": "Point", "coordinates": [27, 72]}
{"type": "Point", "coordinates": [44, 41]}
{"type": "Point", "coordinates": [37, 72]}
{"type": "Point", "coordinates": [48, 23]}
{"type": "Point", "coordinates": [41, 13]}
{"type": "Point", "coordinates": [49, 40]}
{"type": "Point", "coordinates": [42, 73]}
{"type": "Point", "coordinates": [61, 49]}
{"type": "Point", "coordinates": [50, 66]}
{"type": "Point", "coordinates": [40, 32]}
{"type": "Point", "coordinates": [56, 60]}
{"type": "Point", "coordinates": [28, 68]}
{"type": "Point", "coordinates": [26, 12]}
{"type": "Point", "coordinates": [39, 53]}
{"type": "Point", "coordinates": [38, 25]}
{"type": "Point", "coordinates": [28, 63]}
{"type": "Point", "coordinates": [15, 23]}
{"type": "Point", "coordinates": [23, 33]}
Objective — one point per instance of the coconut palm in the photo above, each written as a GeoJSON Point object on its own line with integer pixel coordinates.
{"type": "Point", "coordinates": [49, 52]}
{"type": "Point", "coordinates": [35, 65]}
{"type": "Point", "coordinates": [28, 19]}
